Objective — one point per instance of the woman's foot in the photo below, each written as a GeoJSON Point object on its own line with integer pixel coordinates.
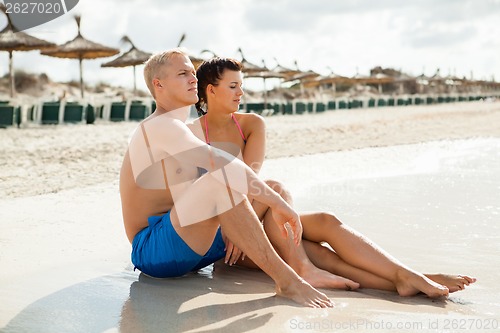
{"type": "Point", "coordinates": [409, 283]}
{"type": "Point", "coordinates": [452, 282]}
{"type": "Point", "coordinates": [319, 278]}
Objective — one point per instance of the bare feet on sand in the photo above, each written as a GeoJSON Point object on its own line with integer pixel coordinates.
{"type": "Point", "coordinates": [452, 282]}
{"type": "Point", "coordinates": [410, 283]}
{"type": "Point", "coordinates": [303, 293]}
{"type": "Point", "coordinates": [319, 278]}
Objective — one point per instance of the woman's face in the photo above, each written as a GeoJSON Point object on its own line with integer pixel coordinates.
{"type": "Point", "coordinates": [226, 96]}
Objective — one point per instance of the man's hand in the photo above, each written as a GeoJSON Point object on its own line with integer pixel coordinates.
{"type": "Point", "coordinates": [233, 254]}
{"type": "Point", "coordinates": [283, 214]}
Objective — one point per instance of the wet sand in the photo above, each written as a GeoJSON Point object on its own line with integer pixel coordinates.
{"type": "Point", "coordinates": [65, 257]}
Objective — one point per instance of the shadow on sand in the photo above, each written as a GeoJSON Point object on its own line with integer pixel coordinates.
{"type": "Point", "coordinates": [227, 299]}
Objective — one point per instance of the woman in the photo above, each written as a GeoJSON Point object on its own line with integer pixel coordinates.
{"type": "Point", "coordinates": [350, 255]}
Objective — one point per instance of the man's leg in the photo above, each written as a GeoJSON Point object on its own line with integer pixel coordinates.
{"type": "Point", "coordinates": [295, 256]}
{"type": "Point", "coordinates": [241, 225]}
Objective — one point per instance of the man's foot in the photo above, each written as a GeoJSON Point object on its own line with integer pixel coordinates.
{"type": "Point", "coordinates": [452, 282]}
{"type": "Point", "coordinates": [319, 278]}
{"type": "Point", "coordinates": [303, 293]}
{"type": "Point", "coordinates": [409, 283]}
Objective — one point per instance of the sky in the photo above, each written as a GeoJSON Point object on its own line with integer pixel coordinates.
{"type": "Point", "coordinates": [459, 37]}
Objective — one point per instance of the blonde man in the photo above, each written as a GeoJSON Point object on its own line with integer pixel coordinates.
{"type": "Point", "coordinates": [173, 213]}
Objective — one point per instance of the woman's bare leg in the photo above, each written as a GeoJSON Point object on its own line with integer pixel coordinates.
{"type": "Point", "coordinates": [325, 258]}
{"type": "Point", "coordinates": [359, 252]}
{"type": "Point", "coordinates": [333, 262]}
{"type": "Point", "coordinates": [295, 256]}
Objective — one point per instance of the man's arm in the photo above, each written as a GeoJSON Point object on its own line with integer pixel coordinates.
{"type": "Point", "coordinates": [174, 137]}
{"type": "Point", "coordinates": [168, 137]}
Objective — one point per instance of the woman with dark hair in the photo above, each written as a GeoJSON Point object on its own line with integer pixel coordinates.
{"type": "Point", "coordinates": [348, 253]}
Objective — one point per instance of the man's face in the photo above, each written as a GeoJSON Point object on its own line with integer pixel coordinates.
{"type": "Point", "coordinates": [178, 83]}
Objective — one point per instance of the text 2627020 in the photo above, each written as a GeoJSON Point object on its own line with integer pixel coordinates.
{"type": "Point", "coordinates": [33, 8]}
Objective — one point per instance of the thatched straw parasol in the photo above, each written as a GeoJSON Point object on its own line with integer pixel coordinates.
{"type": "Point", "coordinates": [303, 76]}
{"type": "Point", "coordinates": [132, 57]}
{"type": "Point", "coordinates": [285, 71]}
{"type": "Point", "coordinates": [11, 41]}
{"type": "Point", "coordinates": [195, 60]}
{"type": "Point", "coordinates": [248, 67]}
{"type": "Point", "coordinates": [81, 48]}
{"type": "Point", "coordinates": [265, 74]}
{"type": "Point", "coordinates": [332, 79]}
{"type": "Point", "coordinates": [378, 79]}
{"type": "Point", "coordinates": [250, 70]}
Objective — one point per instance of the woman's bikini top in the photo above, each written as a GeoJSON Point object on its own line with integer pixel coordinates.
{"type": "Point", "coordinates": [202, 171]}
{"type": "Point", "coordinates": [207, 140]}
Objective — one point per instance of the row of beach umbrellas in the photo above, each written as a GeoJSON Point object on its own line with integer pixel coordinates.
{"type": "Point", "coordinates": [82, 48]}
{"type": "Point", "coordinates": [134, 57]}
{"type": "Point", "coordinates": [79, 48]}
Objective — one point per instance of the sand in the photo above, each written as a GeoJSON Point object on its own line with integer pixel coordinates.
{"type": "Point", "coordinates": [47, 159]}
{"type": "Point", "coordinates": [65, 258]}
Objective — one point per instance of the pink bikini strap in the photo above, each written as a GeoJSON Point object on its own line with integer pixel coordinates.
{"type": "Point", "coordinates": [207, 140]}
{"type": "Point", "coordinates": [206, 130]}
{"type": "Point", "coordinates": [239, 127]}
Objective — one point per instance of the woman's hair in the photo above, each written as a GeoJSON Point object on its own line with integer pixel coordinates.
{"type": "Point", "coordinates": [210, 72]}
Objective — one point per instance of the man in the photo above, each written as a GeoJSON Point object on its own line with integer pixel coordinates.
{"type": "Point", "coordinates": [173, 213]}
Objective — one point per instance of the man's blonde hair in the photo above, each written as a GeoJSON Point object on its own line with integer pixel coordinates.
{"type": "Point", "coordinates": [153, 68]}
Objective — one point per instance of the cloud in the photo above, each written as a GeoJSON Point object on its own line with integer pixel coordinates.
{"type": "Point", "coordinates": [436, 36]}
{"type": "Point", "coordinates": [347, 36]}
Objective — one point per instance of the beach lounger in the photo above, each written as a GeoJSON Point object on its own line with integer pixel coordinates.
{"type": "Point", "coordinates": [50, 113]}
{"type": "Point", "coordinates": [73, 113]}
{"type": "Point", "coordinates": [9, 115]}
{"type": "Point", "coordinates": [137, 111]}
{"type": "Point", "coordinates": [300, 108]}
{"type": "Point", "coordinates": [320, 107]}
{"type": "Point", "coordinates": [117, 112]}
{"type": "Point", "coordinates": [343, 105]}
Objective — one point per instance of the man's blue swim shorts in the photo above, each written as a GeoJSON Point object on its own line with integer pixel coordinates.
{"type": "Point", "coordinates": [159, 251]}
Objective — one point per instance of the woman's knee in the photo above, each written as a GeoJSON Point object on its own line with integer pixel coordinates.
{"type": "Point", "coordinates": [328, 219]}
{"type": "Point", "coordinates": [280, 188]}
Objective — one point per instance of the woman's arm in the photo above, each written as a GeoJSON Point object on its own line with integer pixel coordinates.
{"type": "Point", "coordinates": [254, 128]}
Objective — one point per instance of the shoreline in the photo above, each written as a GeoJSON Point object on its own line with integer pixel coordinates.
{"type": "Point", "coordinates": [381, 127]}
{"type": "Point", "coordinates": [47, 159]}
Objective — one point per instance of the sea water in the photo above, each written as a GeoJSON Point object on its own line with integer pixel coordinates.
{"type": "Point", "coordinates": [435, 205]}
